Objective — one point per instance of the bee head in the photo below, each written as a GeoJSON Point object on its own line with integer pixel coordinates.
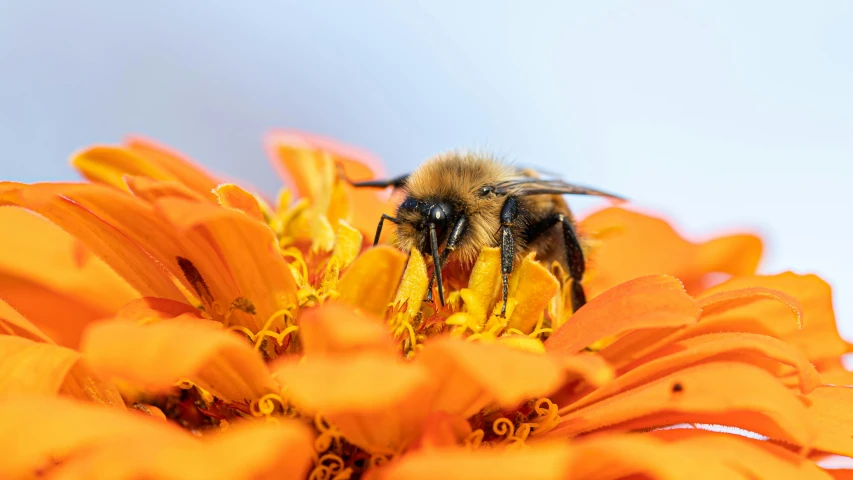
{"type": "Point", "coordinates": [421, 216]}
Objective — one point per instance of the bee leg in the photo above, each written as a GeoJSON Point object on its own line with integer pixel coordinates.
{"type": "Point", "coordinates": [455, 234]}
{"type": "Point", "coordinates": [396, 182]}
{"type": "Point", "coordinates": [385, 216]}
{"type": "Point", "coordinates": [508, 214]}
{"type": "Point", "coordinates": [574, 254]}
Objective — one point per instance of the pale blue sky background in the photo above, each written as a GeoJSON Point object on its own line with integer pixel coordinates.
{"type": "Point", "coordinates": [721, 114]}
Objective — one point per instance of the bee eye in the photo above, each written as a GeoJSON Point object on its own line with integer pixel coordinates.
{"type": "Point", "coordinates": [488, 189]}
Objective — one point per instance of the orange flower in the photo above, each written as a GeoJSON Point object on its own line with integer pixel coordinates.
{"type": "Point", "coordinates": [158, 323]}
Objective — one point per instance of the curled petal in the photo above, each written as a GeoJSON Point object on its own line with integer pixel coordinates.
{"type": "Point", "coordinates": [35, 368]}
{"type": "Point", "coordinates": [472, 375]}
{"type": "Point", "coordinates": [646, 302]}
{"type": "Point", "coordinates": [377, 404]}
{"type": "Point", "coordinates": [334, 328]}
{"type": "Point", "coordinates": [155, 356]}
{"type": "Point", "coordinates": [818, 338]}
{"type": "Point", "coordinates": [542, 462]}
{"type": "Point", "coordinates": [370, 281]}
{"type": "Point", "coordinates": [232, 196]}
{"type": "Point", "coordinates": [753, 400]}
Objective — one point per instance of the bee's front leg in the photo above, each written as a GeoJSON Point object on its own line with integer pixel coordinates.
{"type": "Point", "coordinates": [455, 235]}
{"type": "Point", "coordinates": [509, 212]}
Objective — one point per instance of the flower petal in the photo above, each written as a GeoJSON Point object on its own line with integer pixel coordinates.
{"type": "Point", "coordinates": [818, 338]}
{"type": "Point", "coordinates": [617, 259]}
{"type": "Point", "coordinates": [725, 393]}
{"type": "Point", "coordinates": [759, 350]}
{"type": "Point", "coordinates": [146, 309]}
{"type": "Point", "coordinates": [157, 355]}
{"type": "Point", "coordinates": [150, 190]}
{"type": "Point", "coordinates": [224, 244]}
{"type": "Point", "coordinates": [377, 404]}
{"type": "Point", "coordinates": [347, 243]}
{"type": "Point", "coordinates": [473, 375]}
{"type": "Point", "coordinates": [308, 163]}
{"type": "Point", "coordinates": [646, 302]}
{"type": "Point", "coordinates": [180, 167]}
{"type": "Point", "coordinates": [335, 328]}
{"type": "Point", "coordinates": [232, 196]}
{"type": "Point", "coordinates": [370, 281]}
{"type": "Point", "coordinates": [757, 458]}
{"type": "Point", "coordinates": [13, 323]}
{"type": "Point", "coordinates": [542, 462]}
{"type": "Point", "coordinates": [413, 287]}
{"type": "Point", "coordinates": [109, 164]}
{"type": "Point", "coordinates": [36, 368]}
{"type": "Point", "coordinates": [80, 441]}
{"type": "Point", "coordinates": [249, 450]}
{"type": "Point", "coordinates": [536, 287]}
{"type": "Point", "coordinates": [88, 212]}
{"type": "Point", "coordinates": [53, 279]}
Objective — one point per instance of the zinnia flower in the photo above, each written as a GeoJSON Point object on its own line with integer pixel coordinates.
{"type": "Point", "coordinates": [160, 323]}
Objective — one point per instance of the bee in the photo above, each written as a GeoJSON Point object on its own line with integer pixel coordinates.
{"type": "Point", "coordinates": [457, 203]}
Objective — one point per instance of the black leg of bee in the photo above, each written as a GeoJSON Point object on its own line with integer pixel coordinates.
{"type": "Point", "coordinates": [455, 234]}
{"type": "Point", "coordinates": [574, 254]}
{"type": "Point", "coordinates": [396, 182]}
{"type": "Point", "coordinates": [385, 216]}
{"type": "Point", "coordinates": [508, 214]}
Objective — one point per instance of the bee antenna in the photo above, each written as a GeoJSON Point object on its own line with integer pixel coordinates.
{"type": "Point", "coordinates": [433, 240]}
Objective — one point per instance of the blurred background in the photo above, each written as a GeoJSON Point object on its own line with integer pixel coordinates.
{"type": "Point", "coordinates": [721, 115]}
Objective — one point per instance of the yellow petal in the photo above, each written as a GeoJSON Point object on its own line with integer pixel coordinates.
{"type": "Point", "coordinates": [413, 288]}
{"type": "Point", "coordinates": [347, 243]}
{"type": "Point", "coordinates": [536, 287]}
{"type": "Point", "coordinates": [370, 281]}
{"type": "Point", "coordinates": [157, 355]}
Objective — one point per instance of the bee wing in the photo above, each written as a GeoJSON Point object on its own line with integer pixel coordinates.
{"type": "Point", "coordinates": [527, 186]}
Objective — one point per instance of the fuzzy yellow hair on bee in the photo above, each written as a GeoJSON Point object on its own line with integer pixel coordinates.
{"type": "Point", "coordinates": [465, 201]}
